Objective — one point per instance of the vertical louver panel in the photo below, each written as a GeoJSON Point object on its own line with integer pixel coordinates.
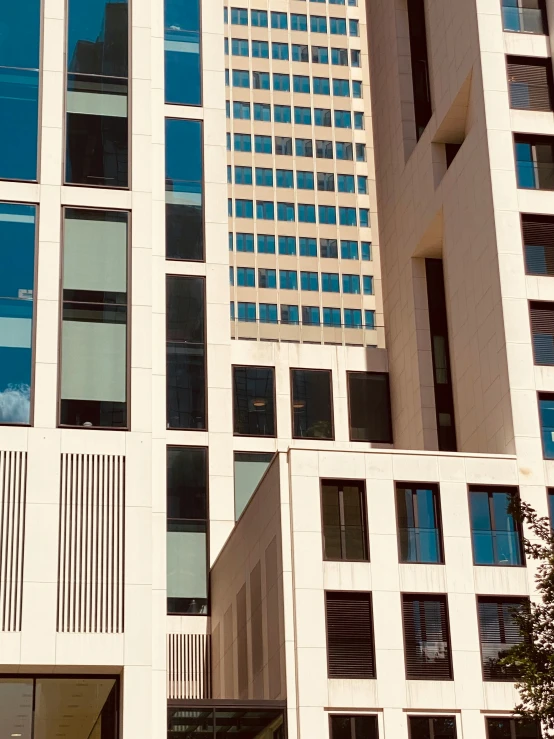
{"type": "Point", "coordinates": [92, 529]}
{"type": "Point", "coordinates": [426, 637]}
{"type": "Point", "coordinates": [542, 328]}
{"type": "Point", "coordinates": [529, 83]}
{"type": "Point", "coordinates": [13, 486]}
{"type": "Point", "coordinates": [538, 240]}
{"type": "Point", "coordinates": [189, 666]}
{"type": "Point", "coordinates": [350, 652]}
{"type": "Point", "coordinates": [498, 631]}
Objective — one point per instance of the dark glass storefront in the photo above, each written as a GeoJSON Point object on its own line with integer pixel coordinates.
{"type": "Point", "coordinates": [224, 718]}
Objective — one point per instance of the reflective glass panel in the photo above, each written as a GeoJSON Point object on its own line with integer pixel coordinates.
{"type": "Point", "coordinates": [312, 404]}
{"type": "Point", "coordinates": [253, 401]}
{"type": "Point", "coordinates": [182, 52]}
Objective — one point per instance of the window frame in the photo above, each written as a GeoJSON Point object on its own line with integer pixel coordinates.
{"type": "Point", "coordinates": [435, 487]}
{"type": "Point", "coordinates": [340, 482]}
{"type": "Point", "coordinates": [428, 596]}
{"type": "Point", "coordinates": [431, 718]}
{"type": "Point", "coordinates": [329, 372]}
{"type": "Point", "coordinates": [274, 400]}
{"type": "Point", "coordinates": [353, 713]}
{"type": "Point", "coordinates": [514, 489]}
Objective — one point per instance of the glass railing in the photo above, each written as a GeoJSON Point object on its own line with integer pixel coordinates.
{"type": "Point", "coordinates": [497, 548]}
{"type": "Point", "coordinates": [535, 175]}
{"type": "Point", "coordinates": [523, 20]}
{"type": "Point", "coordinates": [420, 545]}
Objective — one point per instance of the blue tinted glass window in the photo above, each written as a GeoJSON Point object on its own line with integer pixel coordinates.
{"type": "Point", "coordinates": [349, 249]}
{"type": "Point", "coordinates": [262, 144]}
{"type": "Point", "coordinates": [366, 251]}
{"type": "Point", "coordinates": [227, 78]}
{"type": "Point", "coordinates": [351, 284]}
{"type": "Point", "coordinates": [343, 119]}
{"type": "Point", "coordinates": [341, 88]}
{"type": "Point", "coordinates": [496, 539]}
{"type": "Point", "coordinates": [338, 27]}
{"type": "Point", "coordinates": [266, 244]}
{"type": "Point", "coordinates": [282, 113]}
{"type": "Point", "coordinates": [244, 209]}
{"type": "Point", "coordinates": [20, 35]}
{"type": "Point", "coordinates": [18, 123]}
{"type": "Point", "coordinates": [300, 53]}
{"type": "Point", "coordinates": [243, 175]}
{"type": "Point", "coordinates": [303, 116]}
{"type": "Point", "coordinates": [17, 249]}
{"type": "Point", "coordinates": [330, 282]}
{"type": "Point", "coordinates": [265, 210]}
{"type": "Point", "coordinates": [182, 52]}
{"type": "Point", "coordinates": [241, 78]}
{"type": "Point", "coordinates": [229, 206]}
{"type": "Point", "coordinates": [227, 109]}
{"type": "Point", "coordinates": [362, 184]}
{"type": "Point", "coordinates": [247, 311]}
{"type": "Point", "coordinates": [278, 20]}
{"type": "Point", "coordinates": [287, 245]}
{"type": "Point", "coordinates": [260, 80]}
{"type": "Point", "coordinates": [347, 216]}
{"type": "Point", "coordinates": [239, 17]}
{"type": "Point", "coordinates": [242, 142]}
{"type": "Point", "coordinates": [298, 22]}
{"type": "Point", "coordinates": [285, 178]}
{"type": "Point", "coordinates": [289, 314]}
{"type": "Point", "coordinates": [245, 242]}
{"type": "Point", "coordinates": [369, 319]}
{"type": "Point", "coordinates": [306, 213]}
{"type": "Point", "coordinates": [355, 58]}
{"type": "Point", "coordinates": [231, 276]}
{"type": "Point", "coordinates": [345, 183]}
{"type": "Point", "coordinates": [356, 89]}
{"type": "Point", "coordinates": [264, 177]}
{"type": "Point", "coordinates": [359, 121]}
{"type": "Point", "coordinates": [230, 241]}
{"type": "Point", "coordinates": [320, 55]}
{"type": "Point", "coordinates": [304, 147]}
{"type": "Point", "coordinates": [352, 318]}
{"type": "Point", "coordinates": [183, 189]}
{"type": "Point", "coordinates": [301, 83]}
{"type": "Point", "coordinates": [259, 18]}
{"type": "Point", "coordinates": [288, 279]}
{"type": "Point", "coordinates": [226, 46]}
{"type": "Point", "coordinates": [285, 211]}
{"type": "Point", "coordinates": [260, 49]}
{"type": "Point", "coordinates": [327, 214]}
{"type": "Point", "coordinates": [239, 46]}
{"type": "Point", "coordinates": [360, 152]}
{"type": "Point", "coordinates": [339, 57]}
{"type": "Point", "coordinates": [321, 86]}
{"type": "Point", "coordinates": [229, 174]}
{"type": "Point", "coordinates": [262, 112]}
{"type": "Point", "coordinates": [310, 315]}
{"type": "Point", "coordinates": [546, 411]}
{"type": "Point", "coordinates": [308, 247]}
{"type": "Point", "coordinates": [322, 117]}
{"type": "Point", "coordinates": [331, 317]}
{"type": "Point", "coordinates": [279, 51]}
{"type": "Point", "coordinates": [305, 180]}
{"type": "Point", "coordinates": [318, 24]}
{"type": "Point", "coordinates": [309, 281]}
{"type": "Point", "coordinates": [344, 150]}
{"type": "Point", "coordinates": [268, 312]}
{"type": "Point", "coordinates": [281, 82]}
{"type": "Point", "coordinates": [364, 217]}
{"type": "Point", "coordinates": [232, 310]}
{"type": "Point", "coordinates": [241, 110]}
{"type": "Point", "coordinates": [246, 277]}
{"type": "Point", "coordinates": [353, 27]}
{"type": "Point", "coordinates": [368, 285]}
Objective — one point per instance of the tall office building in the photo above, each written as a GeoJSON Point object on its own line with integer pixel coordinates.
{"type": "Point", "coordinates": [292, 520]}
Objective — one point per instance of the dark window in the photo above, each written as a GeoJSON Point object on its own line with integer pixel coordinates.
{"type": "Point", "coordinates": [496, 534]}
{"type": "Point", "coordinates": [524, 16]}
{"type": "Point", "coordinates": [530, 83]}
{"type": "Point", "coordinates": [187, 514]}
{"type": "Point", "coordinates": [343, 505]}
{"type": "Point", "coordinates": [253, 401]}
{"type": "Point", "coordinates": [420, 65]}
{"type": "Point", "coordinates": [426, 637]}
{"type": "Point", "coordinates": [184, 211]}
{"type": "Point", "coordinates": [93, 384]}
{"type": "Point", "coordinates": [509, 728]}
{"type": "Point", "coordinates": [542, 329]}
{"type": "Point", "coordinates": [442, 379]}
{"type": "Point", "coordinates": [328, 247]}
{"type": "Point", "coordinates": [538, 242]}
{"type": "Point", "coordinates": [182, 52]}
{"type": "Point", "coordinates": [369, 407]}
{"type": "Point", "coordinates": [19, 88]}
{"type": "Point", "coordinates": [243, 722]}
{"type": "Point", "coordinates": [432, 727]}
{"type": "Point", "coordinates": [419, 523]}
{"type": "Point", "coordinates": [546, 413]}
{"type": "Point", "coordinates": [551, 506]}
{"type": "Point", "coordinates": [326, 182]}
{"type": "Point", "coordinates": [354, 727]}
{"type": "Point", "coordinates": [498, 632]}
{"type": "Point", "coordinates": [97, 98]}
{"type": "Point", "coordinates": [186, 352]}
{"type": "Point", "coordinates": [312, 403]}
{"type": "Point", "coordinates": [534, 162]}
{"type": "Point", "coordinates": [17, 249]}
{"type": "Point", "coordinates": [350, 651]}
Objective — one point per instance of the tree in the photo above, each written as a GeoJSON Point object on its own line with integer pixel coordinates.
{"type": "Point", "coordinates": [533, 657]}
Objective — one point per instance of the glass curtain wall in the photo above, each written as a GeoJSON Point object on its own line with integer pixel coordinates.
{"type": "Point", "coordinates": [186, 352]}
{"type": "Point", "coordinates": [93, 383]}
{"type": "Point", "coordinates": [97, 139]}
{"type": "Point", "coordinates": [19, 89]}
{"type": "Point", "coordinates": [17, 249]}
{"type": "Point", "coordinates": [183, 84]}
{"type": "Point", "coordinates": [184, 210]}
{"type": "Point", "coordinates": [187, 529]}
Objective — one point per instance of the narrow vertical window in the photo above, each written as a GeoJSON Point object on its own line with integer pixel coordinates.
{"type": "Point", "coordinates": [426, 637]}
{"type": "Point", "coordinates": [495, 532]}
{"type": "Point", "coordinates": [187, 527]}
{"type": "Point", "coordinates": [546, 414]}
{"type": "Point", "coordinates": [17, 249]}
{"type": "Point", "coordinates": [343, 507]}
{"type": "Point", "coordinates": [350, 648]}
{"type": "Point", "coordinates": [184, 212]}
{"type": "Point", "coordinates": [97, 139]}
{"type": "Point", "coordinates": [19, 89]}
{"type": "Point", "coordinates": [418, 512]}
{"type": "Point", "coordinates": [93, 385]}
{"type": "Point", "coordinates": [312, 404]}
{"type": "Point", "coordinates": [186, 352]}
{"type": "Point", "coordinates": [182, 52]}
{"type": "Point", "coordinates": [420, 65]}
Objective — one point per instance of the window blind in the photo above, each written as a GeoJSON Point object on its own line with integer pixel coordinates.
{"type": "Point", "coordinates": [498, 631]}
{"type": "Point", "coordinates": [426, 637]}
{"type": "Point", "coordinates": [350, 652]}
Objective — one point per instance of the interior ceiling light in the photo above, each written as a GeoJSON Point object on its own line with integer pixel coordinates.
{"type": "Point", "coordinates": [258, 403]}
{"type": "Point", "coordinates": [299, 404]}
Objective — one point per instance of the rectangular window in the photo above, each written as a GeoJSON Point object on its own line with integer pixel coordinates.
{"type": "Point", "coordinates": [301, 83]}
{"type": "Point", "coordinates": [265, 210]}
{"type": "Point", "coordinates": [254, 401]}
{"type": "Point", "coordinates": [330, 282]}
{"type": "Point", "coordinates": [97, 136]}
{"type": "Point", "coordinates": [360, 153]}
{"type": "Point", "coordinates": [300, 53]}
{"type": "Point", "coordinates": [324, 149]}
{"type": "Point", "coordinates": [369, 319]}
{"type": "Point", "coordinates": [337, 27]}
{"type": "Point", "coordinates": [268, 312]}
{"type": "Point", "coordinates": [357, 90]}
{"type": "Point", "coordinates": [328, 249]}
{"type": "Point", "coordinates": [285, 178]}
{"type": "Point", "coordinates": [546, 414]}
{"type": "Point", "coordinates": [249, 470]}
{"type": "Point", "coordinates": [305, 180]}
{"type": "Point", "coordinates": [285, 212]}
{"type": "Point", "coordinates": [19, 89]}
{"type": "Point", "coordinates": [232, 310]}
{"type": "Point", "coordinates": [419, 523]}
{"type": "Point", "coordinates": [303, 147]}
{"type": "Point", "coordinates": [327, 214]}
{"type": "Point", "coordinates": [245, 242]}
{"type": "Point", "coordinates": [321, 86]}
{"type": "Point", "coordinates": [260, 49]}
{"type": "Point", "coordinates": [267, 278]}
{"type": "Point", "coordinates": [344, 151]}
{"type": "Point", "coordinates": [288, 279]}
{"type": "Point", "coordinates": [355, 57]}
{"type": "Point", "coordinates": [287, 245]}
{"type": "Point", "coordinates": [262, 144]}
{"type": "Point", "coordinates": [266, 244]}
{"type": "Point", "coordinates": [529, 83]}
{"type": "Point", "coordinates": [524, 16]}
{"type": "Point", "coordinates": [281, 113]}
{"type": "Point", "coordinates": [243, 175]}
{"type": "Point", "coordinates": [278, 20]}
{"type": "Point", "coordinates": [353, 727]}
{"type": "Point", "coordinates": [241, 78]}
{"type": "Point", "coordinates": [339, 57]}
{"type": "Point", "coordinates": [326, 182]}
{"type": "Point", "coordinates": [341, 88]}
{"type": "Point", "coordinates": [362, 184]}
{"type": "Point", "coordinates": [352, 318]}
{"type": "Point", "coordinates": [187, 529]}
{"type": "Point", "coordinates": [310, 315]}
{"type": "Point", "coordinates": [353, 27]}
{"type": "Point", "coordinates": [432, 727]}
{"type": "Point", "coordinates": [258, 18]}
{"type": "Point", "coordinates": [289, 314]}
{"type": "Point", "coordinates": [320, 55]}
{"type": "Point", "coordinates": [239, 17]}
{"type": "Point", "coordinates": [350, 649]}
{"type": "Point", "coordinates": [239, 47]}
{"type": "Point", "coordinates": [308, 248]}
{"type": "Point", "coordinates": [347, 216]}
{"type": "Point", "coordinates": [322, 117]}
{"type": "Point", "coordinates": [186, 352]}
{"type": "Point", "coordinates": [17, 249]}
{"type": "Point", "coordinates": [246, 277]}
{"type": "Point", "coordinates": [368, 284]}
{"type": "Point", "coordinates": [426, 637]}
{"type": "Point", "coordinates": [351, 284]}
{"type": "Point", "coordinates": [231, 276]}
{"type": "Point", "coordinates": [262, 111]}
{"type": "Point", "coordinates": [242, 142]}
{"type": "Point", "coordinates": [283, 146]}
{"type": "Point", "coordinates": [369, 407]}
{"type": "Point", "coordinates": [281, 82]}
{"type": "Point", "coordinates": [264, 176]}
{"type": "Point", "coordinates": [309, 280]}
{"type": "Point", "coordinates": [345, 183]}
{"type": "Point", "coordinates": [303, 116]}
{"type": "Point", "coordinates": [260, 80]}
{"type": "Point", "coordinates": [366, 251]}
{"type": "Point", "coordinates": [542, 329]}
{"type": "Point", "coordinates": [244, 209]}
{"type": "Point", "coordinates": [420, 65]}
{"type": "Point", "coordinates": [343, 506]}
{"type": "Point", "coordinates": [93, 390]}
{"type": "Point", "coordinates": [247, 312]}
{"type": "Point", "coordinates": [538, 242]}
{"type": "Point", "coordinates": [534, 162]}
{"type": "Point", "coordinates": [349, 249]}
{"type": "Point", "coordinates": [318, 24]}
{"type": "Point", "coordinates": [298, 22]}
{"type": "Point", "coordinates": [279, 51]}
{"type": "Point", "coordinates": [495, 533]}
{"type": "Point", "coordinates": [312, 403]}
{"type": "Point", "coordinates": [509, 728]}
{"type": "Point", "coordinates": [498, 632]}
{"type": "Point", "coordinates": [331, 317]}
